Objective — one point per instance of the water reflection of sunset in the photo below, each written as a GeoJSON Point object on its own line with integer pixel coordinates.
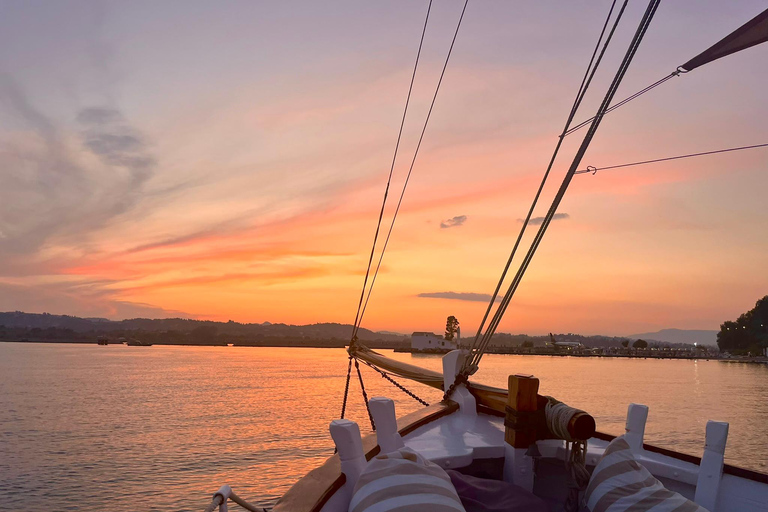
{"type": "Point", "coordinates": [162, 427]}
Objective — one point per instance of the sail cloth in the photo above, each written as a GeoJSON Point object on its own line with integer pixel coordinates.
{"type": "Point", "coordinates": [409, 371]}
{"type": "Point", "coordinates": [755, 31]}
{"type": "Point", "coordinates": [489, 396]}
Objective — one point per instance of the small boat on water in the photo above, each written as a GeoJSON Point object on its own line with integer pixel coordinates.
{"type": "Point", "coordinates": [133, 342]}
{"type": "Point", "coordinates": [485, 448]}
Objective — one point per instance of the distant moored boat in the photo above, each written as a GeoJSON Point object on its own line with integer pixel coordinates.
{"type": "Point", "coordinates": [137, 343]}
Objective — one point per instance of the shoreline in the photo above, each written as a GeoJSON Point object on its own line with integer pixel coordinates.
{"type": "Point", "coordinates": [340, 344]}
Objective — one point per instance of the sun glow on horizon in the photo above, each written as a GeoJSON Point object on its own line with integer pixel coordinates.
{"type": "Point", "coordinates": [241, 178]}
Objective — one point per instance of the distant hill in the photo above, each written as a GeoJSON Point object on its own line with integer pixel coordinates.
{"type": "Point", "coordinates": [33, 326]}
{"type": "Point", "coordinates": [18, 319]}
{"type": "Point", "coordinates": [688, 336]}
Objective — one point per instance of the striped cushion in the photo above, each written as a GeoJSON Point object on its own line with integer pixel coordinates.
{"type": "Point", "coordinates": [404, 481]}
{"type": "Point", "coordinates": [620, 484]}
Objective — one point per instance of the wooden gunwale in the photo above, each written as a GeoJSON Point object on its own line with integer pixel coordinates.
{"type": "Point", "coordinates": [313, 491]}
{"type": "Point", "coordinates": [493, 400]}
{"type": "Point", "coordinates": [728, 469]}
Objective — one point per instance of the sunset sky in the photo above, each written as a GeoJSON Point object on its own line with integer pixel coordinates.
{"type": "Point", "coordinates": [227, 160]}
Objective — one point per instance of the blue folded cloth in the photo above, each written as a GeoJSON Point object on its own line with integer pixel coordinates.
{"type": "Point", "coordinates": [484, 495]}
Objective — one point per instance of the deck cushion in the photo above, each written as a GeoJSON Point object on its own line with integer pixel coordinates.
{"type": "Point", "coordinates": [620, 484]}
{"type": "Point", "coordinates": [404, 481]}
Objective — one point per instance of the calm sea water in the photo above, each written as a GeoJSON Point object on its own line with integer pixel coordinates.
{"type": "Point", "coordinates": [117, 428]}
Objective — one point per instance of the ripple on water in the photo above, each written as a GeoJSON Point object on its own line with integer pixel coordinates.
{"type": "Point", "coordinates": [161, 428]}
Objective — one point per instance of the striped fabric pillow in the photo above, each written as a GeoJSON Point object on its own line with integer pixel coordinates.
{"type": "Point", "coordinates": [404, 481]}
{"type": "Point", "coordinates": [620, 484]}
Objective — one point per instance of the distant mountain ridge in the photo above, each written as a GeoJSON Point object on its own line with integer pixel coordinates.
{"type": "Point", "coordinates": [266, 329]}
{"type": "Point", "coordinates": [321, 331]}
{"type": "Point", "coordinates": [689, 336]}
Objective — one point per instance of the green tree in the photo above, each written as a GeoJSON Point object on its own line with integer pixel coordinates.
{"type": "Point", "coordinates": [527, 344]}
{"type": "Point", "coordinates": [749, 333]}
{"type": "Point", "coordinates": [640, 344]}
{"type": "Point", "coordinates": [451, 327]}
{"type": "Point", "coordinates": [625, 343]}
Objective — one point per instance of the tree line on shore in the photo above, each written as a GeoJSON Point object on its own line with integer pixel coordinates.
{"type": "Point", "coordinates": [748, 334]}
{"type": "Point", "coordinates": [18, 325]}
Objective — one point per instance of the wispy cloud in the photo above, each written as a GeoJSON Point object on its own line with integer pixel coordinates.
{"type": "Point", "coordinates": [57, 188]}
{"type": "Point", "coordinates": [454, 222]}
{"type": "Point", "coordinates": [466, 296]}
{"type": "Point", "coordinates": [536, 221]}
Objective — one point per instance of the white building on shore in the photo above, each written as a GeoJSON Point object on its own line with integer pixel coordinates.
{"type": "Point", "coordinates": [427, 341]}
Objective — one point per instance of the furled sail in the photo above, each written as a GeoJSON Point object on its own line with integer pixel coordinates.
{"type": "Point", "coordinates": [755, 31]}
{"type": "Point", "coordinates": [489, 396]}
{"type": "Point", "coordinates": [409, 371]}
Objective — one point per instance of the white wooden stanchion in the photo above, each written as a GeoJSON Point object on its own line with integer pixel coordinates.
{"type": "Point", "coordinates": [349, 444]}
{"type": "Point", "coordinates": [225, 492]}
{"type": "Point", "coordinates": [452, 362]}
{"type": "Point", "coordinates": [637, 415]}
{"type": "Point", "coordinates": [383, 412]}
{"type": "Point", "coordinates": [711, 468]}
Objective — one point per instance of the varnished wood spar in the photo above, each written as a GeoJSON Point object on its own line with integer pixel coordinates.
{"type": "Point", "coordinates": [522, 399]}
{"type": "Point", "coordinates": [581, 426]}
{"type": "Point", "coordinates": [314, 490]}
{"type": "Point", "coordinates": [490, 397]}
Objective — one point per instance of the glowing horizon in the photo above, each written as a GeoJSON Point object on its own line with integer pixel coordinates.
{"type": "Point", "coordinates": [230, 163]}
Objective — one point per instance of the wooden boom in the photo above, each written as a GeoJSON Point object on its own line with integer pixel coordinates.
{"type": "Point", "coordinates": [581, 425]}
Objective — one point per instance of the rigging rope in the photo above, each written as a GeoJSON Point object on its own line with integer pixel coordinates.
{"type": "Point", "coordinates": [585, 82]}
{"type": "Point", "coordinates": [593, 170]}
{"type": "Point", "coordinates": [358, 315]}
{"type": "Point", "coordinates": [346, 389]}
{"type": "Point", "coordinates": [578, 474]}
{"type": "Point", "coordinates": [626, 100]}
{"type": "Point", "coordinates": [362, 306]}
{"type": "Point", "coordinates": [478, 352]}
{"type": "Point", "coordinates": [365, 395]}
{"type": "Point", "coordinates": [744, 37]}
{"type": "Point", "coordinates": [413, 161]}
{"type": "Point", "coordinates": [402, 388]}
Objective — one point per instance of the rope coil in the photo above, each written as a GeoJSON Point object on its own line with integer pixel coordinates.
{"type": "Point", "coordinates": [578, 474]}
{"type": "Point", "coordinates": [558, 416]}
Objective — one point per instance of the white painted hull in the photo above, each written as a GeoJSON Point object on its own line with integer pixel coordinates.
{"type": "Point", "coordinates": [455, 441]}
